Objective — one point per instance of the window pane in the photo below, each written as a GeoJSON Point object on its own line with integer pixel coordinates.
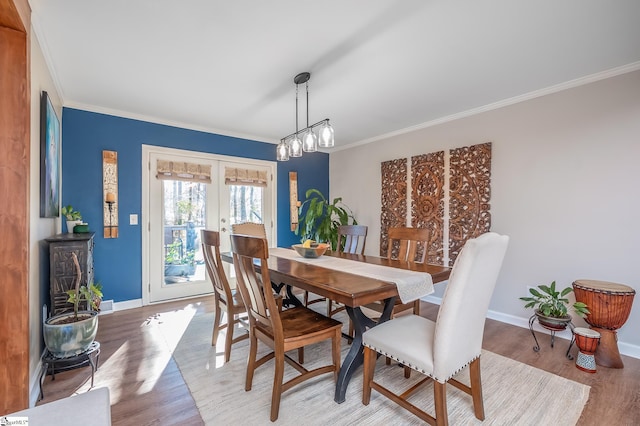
{"type": "Point", "coordinates": [245, 204]}
{"type": "Point", "coordinates": [184, 216]}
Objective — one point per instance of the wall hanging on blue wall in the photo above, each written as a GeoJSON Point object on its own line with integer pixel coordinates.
{"type": "Point", "coordinates": [110, 193]}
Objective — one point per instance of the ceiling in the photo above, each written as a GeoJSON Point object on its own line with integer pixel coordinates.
{"type": "Point", "coordinates": [378, 67]}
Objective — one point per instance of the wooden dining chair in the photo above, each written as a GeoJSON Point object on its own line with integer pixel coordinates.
{"type": "Point", "coordinates": [226, 299]}
{"type": "Point", "coordinates": [282, 331]}
{"type": "Point", "coordinates": [403, 245]}
{"type": "Point", "coordinates": [255, 230]}
{"type": "Point", "coordinates": [408, 241]}
{"type": "Point", "coordinates": [442, 348]}
{"type": "Point", "coordinates": [351, 239]}
{"type": "Point", "coordinates": [249, 228]}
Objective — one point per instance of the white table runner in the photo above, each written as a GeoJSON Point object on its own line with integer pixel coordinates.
{"type": "Point", "coordinates": [411, 285]}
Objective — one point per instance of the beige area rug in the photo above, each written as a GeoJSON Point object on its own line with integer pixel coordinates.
{"type": "Point", "coordinates": [514, 393]}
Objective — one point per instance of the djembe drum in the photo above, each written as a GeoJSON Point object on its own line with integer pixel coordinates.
{"type": "Point", "coordinates": [587, 342]}
{"type": "Point", "coordinates": [610, 306]}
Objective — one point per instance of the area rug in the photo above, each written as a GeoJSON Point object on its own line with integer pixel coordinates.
{"type": "Point", "coordinates": [514, 393]}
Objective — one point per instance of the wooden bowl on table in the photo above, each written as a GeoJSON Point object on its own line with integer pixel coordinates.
{"type": "Point", "coordinates": [312, 252]}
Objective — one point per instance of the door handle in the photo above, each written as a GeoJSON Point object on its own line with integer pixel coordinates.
{"type": "Point", "coordinates": [223, 229]}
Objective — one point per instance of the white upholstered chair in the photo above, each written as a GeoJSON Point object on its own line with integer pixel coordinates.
{"type": "Point", "coordinates": [442, 348]}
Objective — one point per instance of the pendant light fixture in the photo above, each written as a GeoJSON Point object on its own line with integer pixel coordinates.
{"type": "Point", "coordinates": [305, 140]}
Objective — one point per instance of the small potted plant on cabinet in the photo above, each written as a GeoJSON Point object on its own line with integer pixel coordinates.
{"type": "Point", "coordinates": [551, 306]}
{"type": "Point", "coordinates": [72, 216]}
{"type": "Point", "coordinates": [71, 333]}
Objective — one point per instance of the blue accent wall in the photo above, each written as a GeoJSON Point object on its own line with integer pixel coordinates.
{"type": "Point", "coordinates": [118, 262]}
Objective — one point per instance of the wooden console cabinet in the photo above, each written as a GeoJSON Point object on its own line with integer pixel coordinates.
{"type": "Point", "coordinates": [62, 272]}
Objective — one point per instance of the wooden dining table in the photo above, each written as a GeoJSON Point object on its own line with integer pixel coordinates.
{"type": "Point", "coordinates": [354, 291]}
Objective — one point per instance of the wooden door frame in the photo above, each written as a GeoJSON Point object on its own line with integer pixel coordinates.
{"type": "Point", "coordinates": [15, 143]}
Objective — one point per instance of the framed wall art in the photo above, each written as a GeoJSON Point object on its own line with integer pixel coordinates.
{"type": "Point", "coordinates": [49, 159]}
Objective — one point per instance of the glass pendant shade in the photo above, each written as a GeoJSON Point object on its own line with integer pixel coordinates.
{"type": "Point", "coordinates": [326, 135]}
{"type": "Point", "coordinates": [282, 152]}
{"type": "Point", "coordinates": [295, 147]}
{"type": "Point", "coordinates": [309, 141]}
{"type": "Point", "coordinates": [292, 145]}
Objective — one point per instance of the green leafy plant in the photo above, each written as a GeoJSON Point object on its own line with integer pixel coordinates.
{"type": "Point", "coordinates": [69, 213]}
{"type": "Point", "coordinates": [553, 303]}
{"type": "Point", "coordinates": [319, 219]}
{"type": "Point", "coordinates": [173, 256]}
{"type": "Point", "coordinates": [91, 293]}
{"type": "Point", "coordinates": [186, 209]}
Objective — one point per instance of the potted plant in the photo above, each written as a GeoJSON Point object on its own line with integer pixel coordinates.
{"type": "Point", "coordinates": [178, 265]}
{"type": "Point", "coordinates": [72, 216]}
{"type": "Point", "coordinates": [551, 306]}
{"type": "Point", "coordinates": [319, 219]}
{"type": "Point", "coordinates": [71, 333]}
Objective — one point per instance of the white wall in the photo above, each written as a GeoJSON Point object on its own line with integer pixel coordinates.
{"type": "Point", "coordinates": [565, 186]}
{"type": "Point", "coordinates": [39, 228]}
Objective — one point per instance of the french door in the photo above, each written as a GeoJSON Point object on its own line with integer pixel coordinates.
{"type": "Point", "coordinates": [178, 208]}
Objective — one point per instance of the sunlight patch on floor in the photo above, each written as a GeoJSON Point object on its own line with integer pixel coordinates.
{"type": "Point", "coordinates": [173, 324]}
{"type": "Point", "coordinates": [115, 365]}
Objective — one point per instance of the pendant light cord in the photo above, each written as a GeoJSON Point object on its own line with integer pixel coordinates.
{"type": "Point", "coordinates": [307, 84]}
{"type": "Point", "coordinates": [296, 110]}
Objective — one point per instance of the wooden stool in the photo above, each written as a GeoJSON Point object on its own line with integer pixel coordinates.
{"type": "Point", "coordinates": [610, 306]}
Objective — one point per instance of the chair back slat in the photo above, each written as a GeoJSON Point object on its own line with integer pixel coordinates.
{"type": "Point", "coordinates": [213, 262]}
{"type": "Point", "coordinates": [352, 238]}
{"type": "Point", "coordinates": [259, 300]}
{"type": "Point", "coordinates": [407, 242]}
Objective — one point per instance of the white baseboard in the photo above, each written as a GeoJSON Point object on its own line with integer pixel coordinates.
{"type": "Point", "coordinates": [34, 391]}
{"type": "Point", "coordinates": [106, 307]}
{"type": "Point", "coordinates": [624, 348]}
{"type": "Point", "coordinates": [127, 304]}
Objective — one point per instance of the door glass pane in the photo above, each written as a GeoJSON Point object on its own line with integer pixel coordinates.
{"type": "Point", "coordinates": [184, 205]}
{"type": "Point", "coordinates": [245, 204]}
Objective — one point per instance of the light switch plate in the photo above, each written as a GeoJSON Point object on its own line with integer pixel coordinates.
{"type": "Point", "coordinates": [133, 219]}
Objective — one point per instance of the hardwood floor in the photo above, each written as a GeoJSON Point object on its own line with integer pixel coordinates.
{"type": "Point", "coordinates": [147, 388]}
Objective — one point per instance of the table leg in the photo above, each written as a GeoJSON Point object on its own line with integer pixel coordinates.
{"type": "Point", "coordinates": [290, 299]}
{"type": "Point", "coordinates": [355, 356]}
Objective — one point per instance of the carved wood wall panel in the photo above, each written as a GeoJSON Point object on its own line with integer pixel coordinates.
{"type": "Point", "coordinates": [469, 195]}
{"type": "Point", "coordinates": [427, 201]}
{"type": "Point", "coordinates": [393, 199]}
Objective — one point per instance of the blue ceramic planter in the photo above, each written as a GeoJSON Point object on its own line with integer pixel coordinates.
{"type": "Point", "coordinates": [67, 340]}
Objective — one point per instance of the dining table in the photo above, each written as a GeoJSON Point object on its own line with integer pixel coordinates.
{"type": "Point", "coordinates": [346, 282]}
